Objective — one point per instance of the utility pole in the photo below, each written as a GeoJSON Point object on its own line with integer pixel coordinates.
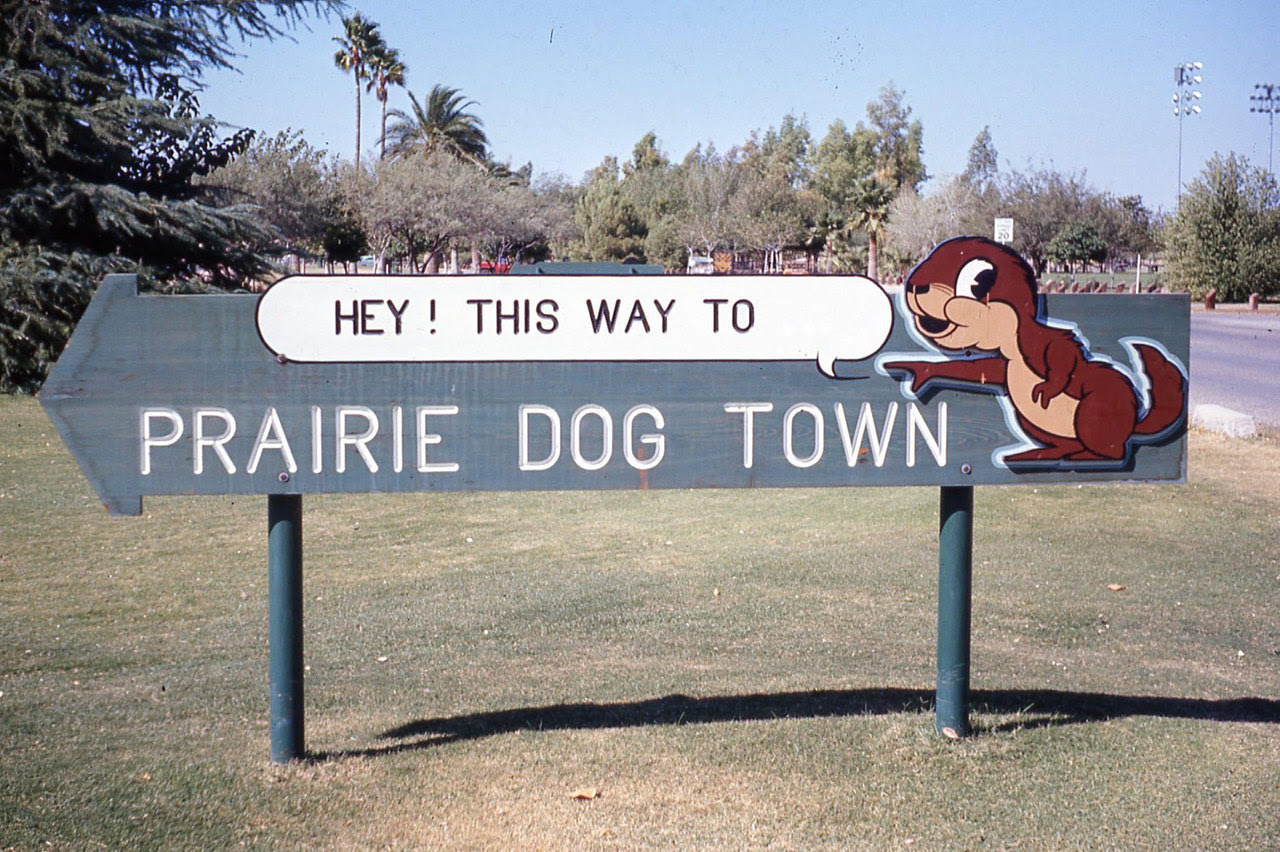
{"type": "Point", "coordinates": [1264, 98]}
{"type": "Point", "coordinates": [1185, 79]}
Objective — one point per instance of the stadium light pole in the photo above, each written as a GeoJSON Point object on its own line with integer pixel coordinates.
{"type": "Point", "coordinates": [1185, 78]}
{"type": "Point", "coordinates": [1265, 97]}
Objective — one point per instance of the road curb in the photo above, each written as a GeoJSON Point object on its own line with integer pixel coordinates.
{"type": "Point", "coordinates": [1217, 418]}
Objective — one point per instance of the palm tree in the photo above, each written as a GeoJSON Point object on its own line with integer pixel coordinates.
{"type": "Point", "coordinates": [385, 70]}
{"type": "Point", "coordinates": [872, 215]}
{"type": "Point", "coordinates": [359, 41]}
{"type": "Point", "coordinates": [443, 125]}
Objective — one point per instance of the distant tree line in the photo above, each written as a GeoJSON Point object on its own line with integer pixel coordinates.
{"type": "Point", "coordinates": [779, 189]}
{"type": "Point", "coordinates": [107, 163]}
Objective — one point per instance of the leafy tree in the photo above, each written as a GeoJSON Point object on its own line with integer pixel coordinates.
{"type": "Point", "coordinates": [344, 242]}
{"type": "Point", "coordinates": [662, 244]}
{"type": "Point", "coordinates": [289, 183]}
{"type": "Point", "coordinates": [898, 147]}
{"type": "Point", "coordinates": [1041, 202]}
{"type": "Point", "coordinates": [983, 164]}
{"type": "Point", "coordinates": [359, 43]}
{"type": "Point", "coordinates": [173, 158]}
{"type": "Point", "coordinates": [519, 221]}
{"type": "Point", "coordinates": [414, 207]}
{"type": "Point", "coordinates": [612, 229]}
{"type": "Point", "coordinates": [918, 223]}
{"type": "Point", "coordinates": [1135, 226]}
{"type": "Point", "coordinates": [442, 124]}
{"type": "Point", "coordinates": [101, 142]}
{"type": "Point", "coordinates": [648, 179]}
{"type": "Point", "coordinates": [770, 214]}
{"type": "Point", "coordinates": [654, 187]}
{"type": "Point", "coordinates": [1077, 242]}
{"type": "Point", "coordinates": [859, 173]}
{"type": "Point", "coordinates": [646, 156]}
{"type": "Point", "coordinates": [385, 70]}
{"type": "Point", "coordinates": [1045, 203]}
{"type": "Point", "coordinates": [784, 152]}
{"type": "Point", "coordinates": [709, 181]}
{"type": "Point", "coordinates": [1226, 233]}
{"type": "Point", "coordinates": [899, 165]}
{"type": "Point", "coordinates": [844, 177]}
{"type": "Point", "coordinates": [559, 198]}
{"type": "Point", "coordinates": [1124, 224]}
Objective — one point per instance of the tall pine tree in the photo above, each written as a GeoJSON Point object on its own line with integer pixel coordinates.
{"type": "Point", "coordinates": [101, 142]}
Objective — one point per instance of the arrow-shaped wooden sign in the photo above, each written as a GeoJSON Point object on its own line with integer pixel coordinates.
{"type": "Point", "coordinates": [384, 384]}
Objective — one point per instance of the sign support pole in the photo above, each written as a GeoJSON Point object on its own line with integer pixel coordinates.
{"type": "Point", "coordinates": [284, 603]}
{"type": "Point", "coordinates": [955, 595]}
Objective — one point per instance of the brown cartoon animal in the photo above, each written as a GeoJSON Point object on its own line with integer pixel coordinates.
{"type": "Point", "coordinates": [974, 294]}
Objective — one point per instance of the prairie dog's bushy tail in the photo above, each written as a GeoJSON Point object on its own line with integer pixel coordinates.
{"type": "Point", "coordinates": [1168, 391]}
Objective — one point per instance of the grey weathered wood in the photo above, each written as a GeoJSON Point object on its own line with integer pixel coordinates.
{"type": "Point", "coordinates": [133, 351]}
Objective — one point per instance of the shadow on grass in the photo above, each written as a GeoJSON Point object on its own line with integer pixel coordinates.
{"type": "Point", "coordinates": [1027, 709]}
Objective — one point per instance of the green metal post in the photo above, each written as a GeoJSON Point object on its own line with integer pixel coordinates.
{"type": "Point", "coordinates": [284, 604]}
{"type": "Point", "coordinates": [955, 595]}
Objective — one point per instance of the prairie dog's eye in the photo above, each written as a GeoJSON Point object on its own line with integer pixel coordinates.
{"type": "Point", "coordinates": [976, 279]}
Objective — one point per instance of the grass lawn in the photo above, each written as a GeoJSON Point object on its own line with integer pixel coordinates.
{"type": "Point", "coordinates": [740, 669]}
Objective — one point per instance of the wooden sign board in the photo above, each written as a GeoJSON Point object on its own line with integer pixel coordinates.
{"type": "Point", "coordinates": [448, 383]}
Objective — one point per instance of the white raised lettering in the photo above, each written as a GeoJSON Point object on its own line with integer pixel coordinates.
{"type": "Point", "coordinates": [553, 455]}
{"type": "Point", "coordinates": [360, 441]}
{"type": "Point", "coordinates": [317, 437]}
{"type": "Point", "coordinates": [788, 432]}
{"type": "Point", "coordinates": [657, 440]}
{"type": "Point", "coordinates": [397, 428]}
{"type": "Point", "coordinates": [426, 439]}
{"type": "Point", "coordinates": [866, 429]}
{"type": "Point", "coordinates": [150, 439]}
{"type": "Point", "coordinates": [271, 436]}
{"type": "Point", "coordinates": [748, 410]}
{"type": "Point", "coordinates": [937, 443]}
{"type": "Point", "coordinates": [606, 436]}
{"type": "Point", "coordinates": [218, 443]}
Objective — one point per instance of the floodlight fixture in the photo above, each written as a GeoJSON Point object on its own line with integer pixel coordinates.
{"type": "Point", "coordinates": [1265, 100]}
{"type": "Point", "coordinates": [1184, 78]}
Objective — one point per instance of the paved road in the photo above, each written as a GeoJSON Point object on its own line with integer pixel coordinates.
{"type": "Point", "coordinates": [1235, 361]}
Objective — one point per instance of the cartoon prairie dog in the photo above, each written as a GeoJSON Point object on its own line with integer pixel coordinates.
{"type": "Point", "coordinates": [974, 294]}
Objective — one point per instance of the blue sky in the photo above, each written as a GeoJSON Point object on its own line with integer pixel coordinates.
{"type": "Point", "coordinates": [1082, 86]}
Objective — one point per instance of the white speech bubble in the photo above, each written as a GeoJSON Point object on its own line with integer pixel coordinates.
{"type": "Point", "coordinates": [371, 318]}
